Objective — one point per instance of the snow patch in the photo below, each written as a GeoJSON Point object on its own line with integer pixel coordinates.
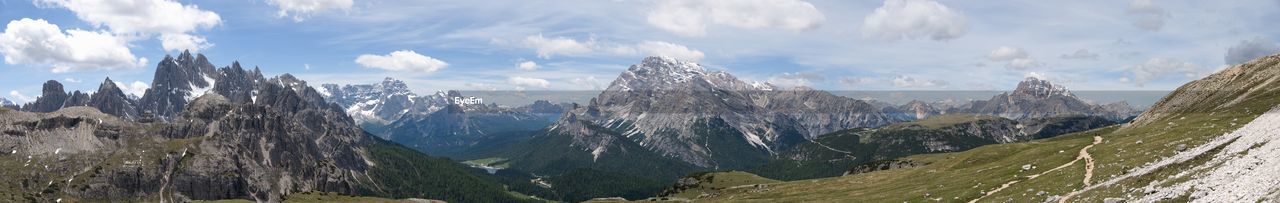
{"type": "Point", "coordinates": [197, 91]}
{"type": "Point", "coordinates": [595, 154]}
{"type": "Point", "coordinates": [755, 140]}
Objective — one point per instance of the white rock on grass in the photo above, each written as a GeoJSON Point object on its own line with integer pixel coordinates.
{"type": "Point", "coordinates": [1244, 173]}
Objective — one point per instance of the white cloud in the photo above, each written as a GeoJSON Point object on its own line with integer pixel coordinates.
{"type": "Point", "coordinates": [855, 81]}
{"type": "Point", "coordinates": [403, 60]}
{"type": "Point", "coordinates": [1023, 63]}
{"type": "Point", "coordinates": [480, 86]}
{"type": "Point", "coordinates": [1159, 67]}
{"type": "Point", "coordinates": [1006, 53]}
{"type": "Point", "coordinates": [589, 81]}
{"type": "Point", "coordinates": [1036, 75]}
{"type": "Point", "coordinates": [658, 48]}
{"type": "Point", "coordinates": [1081, 54]}
{"type": "Point", "coordinates": [71, 80]}
{"type": "Point", "coordinates": [912, 82]}
{"type": "Point", "coordinates": [172, 21]}
{"type": "Point", "coordinates": [527, 65]}
{"type": "Point", "coordinates": [301, 9]}
{"type": "Point", "coordinates": [28, 41]}
{"type": "Point", "coordinates": [140, 16]}
{"type": "Point", "coordinates": [181, 42]}
{"type": "Point", "coordinates": [137, 88]}
{"type": "Point", "coordinates": [1018, 58]}
{"type": "Point", "coordinates": [692, 17]}
{"type": "Point", "coordinates": [19, 96]}
{"type": "Point", "coordinates": [528, 82]}
{"type": "Point", "coordinates": [547, 47]}
{"type": "Point", "coordinates": [1251, 49]}
{"type": "Point", "coordinates": [306, 66]}
{"type": "Point", "coordinates": [797, 79]}
{"type": "Point", "coordinates": [1147, 15]}
{"type": "Point", "coordinates": [912, 19]}
{"type": "Point", "coordinates": [558, 46]}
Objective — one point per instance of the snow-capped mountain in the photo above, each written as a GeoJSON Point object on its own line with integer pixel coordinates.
{"type": "Point", "coordinates": [443, 123]}
{"type": "Point", "coordinates": [177, 82]}
{"type": "Point", "coordinates": [8, 104]}
{"type": "Point", "coordinates": [375, 105]}
{"type": "Point", "coordinates": [707, 118]}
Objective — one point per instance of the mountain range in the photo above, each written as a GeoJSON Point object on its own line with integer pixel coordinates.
{"type": "Point", "coordinates": [1211, 140]}
{"type": "Point", "coordinates": [659, 120]}
{"type": "Point", "coordinates": [227, 133]}
{"type": "Point", "coordinates": [446, 123]}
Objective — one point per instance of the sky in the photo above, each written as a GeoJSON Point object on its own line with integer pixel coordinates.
{"type": "Point", "coordinates": [585, 44]}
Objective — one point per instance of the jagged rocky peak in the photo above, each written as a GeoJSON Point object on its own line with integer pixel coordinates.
{"type": "Point", "coordinates": [379, 103]}
{"type": "Point", "coordinates": [52, 97]}
{"type": "Point", "coordinates": [7, 104]}
{"type": "Point", "coordinates": [111, 100]}
{"type": "Point", "coordinates": [393, 85]}
{"type": "Point", "coordinates": [658, 73]}
{"type": "Point", "coordinates": [178, 81]}
{"type": "Point", "coordinates": [1040, 88]}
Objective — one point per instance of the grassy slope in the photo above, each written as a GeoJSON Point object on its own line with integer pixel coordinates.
{"type": "Point", "coordinates": [868, 145]}
{"type": "Point", "coordinates": [712, 183]}
{"type": "Point", "coordinates": [965, 175]}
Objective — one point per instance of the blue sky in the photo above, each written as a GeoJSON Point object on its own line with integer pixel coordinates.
{"type": "Point", "coordinates": [584, 44]}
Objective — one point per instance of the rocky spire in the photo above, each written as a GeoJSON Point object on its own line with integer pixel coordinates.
{"type": "Point", "coordinates": [52, 96]}
{"type": "Point", "coordinates": [111, 100]}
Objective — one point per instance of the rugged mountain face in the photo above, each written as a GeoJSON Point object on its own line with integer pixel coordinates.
{"type": "Point", "coordinates": [382, 103]}
{"type": "Point", "coordinates": [177, 82]}
{"type": "Point", "coordinates": [444, 124]}
{"type": "Point", "coordinates": [920, 110]}
{"type": "Point", "coordinates": [111, 100]}
{"type": "Point", "coordinates": [52, 98]}
{"type": "Point", "coordinates": [1033, 98]}
{"type": "Point", "coordinates": [268, 139]}
{"type": "Point", "coordinates": [458, 127]}
{"type": "Point", "coordinates": [709, 119]}
{"type": "Point", "coordinates": [8, 104]}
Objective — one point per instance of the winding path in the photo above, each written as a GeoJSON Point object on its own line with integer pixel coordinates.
{"type": "Point", "coordinates": [1083, 155]}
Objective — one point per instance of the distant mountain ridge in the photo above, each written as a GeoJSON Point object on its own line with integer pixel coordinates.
{"type": "Point", "coordinates": [446, 123]}
{"type": "Point", "coordinates": [1033, 98]}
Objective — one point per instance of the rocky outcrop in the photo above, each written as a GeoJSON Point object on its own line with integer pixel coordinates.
{"type": "Point", "coordinates": [111, 100]}
{"type": "Point", "coordinates": [52, 97]}
{"type": "Point", "coordinates": [882, 165]}
{"type": "Point", "coordinates": [5, 103]}
{"type": "Point", "coordinates": [178, 81]}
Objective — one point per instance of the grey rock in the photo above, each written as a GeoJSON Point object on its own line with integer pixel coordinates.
{"type": "Point", "coordinates": [111, 100]}
{"type": "Point", "coordinates": [1113, 200]}
{"type": "Point", "coordinates": [52, 98]}
{"type": "Point", "coordinates": [178, 81]}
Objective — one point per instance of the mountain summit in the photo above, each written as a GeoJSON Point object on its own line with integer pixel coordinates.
{"type": "Point", "coordinates": [1038, 98]}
